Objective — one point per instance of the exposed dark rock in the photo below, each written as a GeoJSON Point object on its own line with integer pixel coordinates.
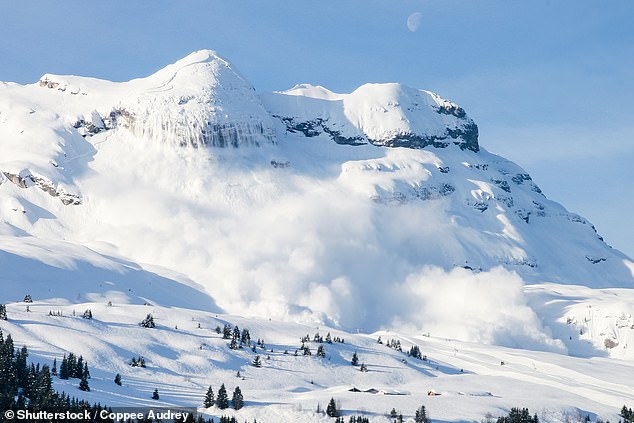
{"type": "Point", "coordinates": [466, 137]}
{"type": "Point", "coordinates": [595, 260]}
{"type": "Point", "coordinates": [434, 192]}
{"type": "Point", "coordinates": [521, 177]}
{"type": "Point", "coordinates": [524, 215]}
{"type": "Point", "coordinates": [27, 180]}
{"type": "Point", "coordinates": [502, 184]}
{"type": "Point", "coordinates": [277, 164]}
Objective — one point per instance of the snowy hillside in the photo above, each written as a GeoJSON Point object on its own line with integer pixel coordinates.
{"type": "Point", "coordinates": [184, 355]}
{"type": "Point", "coordinates": [378, 210]}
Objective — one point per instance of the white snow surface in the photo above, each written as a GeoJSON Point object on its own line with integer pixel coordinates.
{"type": "Point", "coordinates": [122, 192]}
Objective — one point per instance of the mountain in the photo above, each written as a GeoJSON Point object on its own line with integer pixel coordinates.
{"type": "Point", "coordinates": [189, 195]}
{"type": "Point", "coordinates": [282, 204]}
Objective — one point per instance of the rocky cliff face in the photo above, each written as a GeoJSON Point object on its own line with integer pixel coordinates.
{"type": "Point", "coordinates": [391, 115]}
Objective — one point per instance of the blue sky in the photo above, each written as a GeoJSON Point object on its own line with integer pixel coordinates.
{"type": "Point", "coordinates": [549, 82]}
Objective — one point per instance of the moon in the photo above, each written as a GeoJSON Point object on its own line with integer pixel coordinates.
{"type": "Point", "coordinates": [414, 21]}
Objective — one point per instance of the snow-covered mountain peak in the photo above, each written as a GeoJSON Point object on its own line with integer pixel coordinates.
{"type": "Point", "coordinates": [390, 114]}
{"type": "Point", "coordinates": [200, 100]}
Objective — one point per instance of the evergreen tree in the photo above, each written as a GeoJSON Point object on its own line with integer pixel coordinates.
{"type": "Point", "coordinates": [148, 322]}
{"type": "Point", "coordinates": [42, 391]}
{"type": "Point", "coordinates": [355, 359]}
{"type": "Point", "coordinates": [117, 379]}
{"type": "Point", "coordinates": [83, 384]}
{"type": "Point", "coordinates": [257, 362]}
{"type": "Point", "coordinates": [234, 343]}
{"type": "Point", "coordinates": [222, 400]}
{"type": "Point", "coordinates": [21, 368]}
{"type": "Point", "coordinates": [226, 331]}
{"type": "Point", "coordinates": [331, 410]}
{"type": "Point", "coordinates": [209, 398]}
{"type": "Point", "coordinates": [321, 352]}
{"type": "Point", "coordinates": [85, 372]}
{"type": "Point", "coordinates": [3, 312]}
{"type": "Point", "coordinates": [328, 338]}
{"type": "Point", "coordinates": [54, 370]}
{"type": "Point", "coordinates": [155, 395]}
{"type": "Point", "coordinates": [363, 367]}
{"type": "Point", "coordinates": [517, 415]}
{"type": "Point", "coordinates": [78, 370]}
{"type": "Point", "coordinates": [87, 314]}
{"type": "Point", "coordinates": [28, 298]}
{"type": "Point", "coordinates": [627, 414]}
{"type": "Point", "coordinates": [421, 415]}
{"type": "Point", "coordinates": [237, 401]}
{"type": "Point", "coordinates": [245, 338]}
{"type": "Point", "coordinates": [64, 371]}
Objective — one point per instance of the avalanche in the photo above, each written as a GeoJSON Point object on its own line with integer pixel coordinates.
{"type": "Point", "coordinates": [188, 194]}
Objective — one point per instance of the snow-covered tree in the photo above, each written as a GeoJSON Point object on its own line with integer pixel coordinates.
{"type": "Point", "coordinates": [237, 401]}
{"type": "Point", "coordinates": [148, 322]}
{"type": "Point", "coordinates": [331, 410]}
{"type": "Point", "coordinates": [222, 400]}
{"type": "Point", "coordinates": [210, 400]}
{"type": "Point", "coordinates": [355, 359]}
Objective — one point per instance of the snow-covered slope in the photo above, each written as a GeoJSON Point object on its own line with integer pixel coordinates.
{"type": "Point", "coordinates": [184, 356]}
{"type": "Point", "coordinates": [352, 209]}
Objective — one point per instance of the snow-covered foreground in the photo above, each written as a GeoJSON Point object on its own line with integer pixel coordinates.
{"type": "Point", "coordinates": [185, 355]}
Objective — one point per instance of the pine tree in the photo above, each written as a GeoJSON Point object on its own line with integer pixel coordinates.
{"type": "Point", "coordinates": [245, 338]}
{"type": "Point", "coordinates": [42, 391]}
{"type": "Point", "coordinates": [85, 372]}
{"type": "Point", "coordinates": [331, 410]}
{"type": "Point", "coordinates": [257, 362]}
{"type": "Point", "coordinates": [83, 384]}
{"type": "Point", "coordinates": [226, 331]}
{"type": "Point", "coordinates": [54, 370]}
{"type": "Point", "coordinates": [78, 368]}
{"type": "Point", "coordinates": [363, 367]}
{"type": "Point", "coordinates": [328, 338]}
{"type": "Point", "coordinates": [148, 322]}
{"type": "Point", "coordinates": [415, 352]}
{"type": "Point", "coordinates": [28, 298]}
{"type": "Point", "coordinates": [355, 359]}
{"type": "Point", "coordinates": [64, 371]}
{"type": "Point", "coordinates": [321, 352]}
{"type": "Point", "coordinates": [209, 398]}
{"type": "Point", "coordinates": [117, 379]}
{"type": "Point", "coordinates": [87, 314]}
{"type": "Point", "coordinates": [234, 343]}
{"type": "Point", "coordinates": [3, 312]}
{"type": "Point", "coordinates": [421, 415]}
{"type": "Point", "coordinates": [155, 395]}
{"type": "Point", "coordinates": [237, 401]}
{"type": "Point", "coordinates": [222, 400]}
